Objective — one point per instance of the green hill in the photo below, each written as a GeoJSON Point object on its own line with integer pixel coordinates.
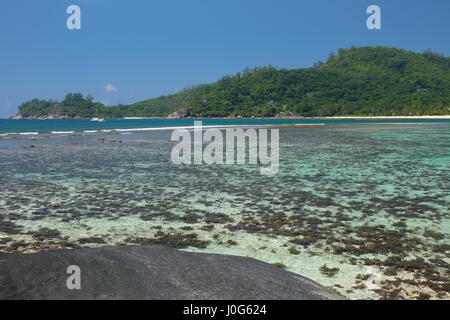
{"type": "Point", "coordinates": [356, 81]}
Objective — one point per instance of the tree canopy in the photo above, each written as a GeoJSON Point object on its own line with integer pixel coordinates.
{"type": "Point", "coordinates": [376, 81]}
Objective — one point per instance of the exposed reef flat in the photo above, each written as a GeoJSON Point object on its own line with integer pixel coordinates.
{"type": "Point", "coordinates": [362, 209]}
{"type": "Point", "coordinates": [150, 272]}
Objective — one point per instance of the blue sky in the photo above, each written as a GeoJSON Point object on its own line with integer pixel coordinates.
{"type": "Point", "coordinates": [147, 48]}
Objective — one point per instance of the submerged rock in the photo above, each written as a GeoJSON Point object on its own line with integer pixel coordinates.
{"type": "Point", "coordinates": [150, 272]}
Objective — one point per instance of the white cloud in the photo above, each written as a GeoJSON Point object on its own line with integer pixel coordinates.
{"type": "Point", "coordinates": [110, 88]}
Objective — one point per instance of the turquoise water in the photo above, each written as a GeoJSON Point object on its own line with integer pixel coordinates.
{"type": "Point", "coordinates": [361, 206]}
{"type": "Point", "coordinates": [46, 126]}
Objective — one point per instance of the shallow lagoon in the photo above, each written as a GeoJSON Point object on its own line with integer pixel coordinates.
{"type": "Point", "coordinates": [362, 208]}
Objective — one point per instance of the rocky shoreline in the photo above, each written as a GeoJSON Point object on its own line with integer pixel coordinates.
{"type": "Point", "coordinates": [175, 115]}
{"type": "Point", "coordinates": [47, 117]}
{"type": "Point", "coordinates": [151, 272]}
{"type": "Point", "coordinates": [181, 115]}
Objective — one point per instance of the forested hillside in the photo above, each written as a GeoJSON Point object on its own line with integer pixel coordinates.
{"type": "Point", "coordinates": [357, 81]}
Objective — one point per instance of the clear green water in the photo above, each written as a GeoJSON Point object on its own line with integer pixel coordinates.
{"type": "Point", "coordinates": [362, 208]}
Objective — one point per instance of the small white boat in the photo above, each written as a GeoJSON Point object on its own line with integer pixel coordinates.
{"type": "Point", "coordinates": [98, 119]}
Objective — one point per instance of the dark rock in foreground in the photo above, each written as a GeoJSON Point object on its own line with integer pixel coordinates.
{"type": "Point", "coordinates": [140, 272]}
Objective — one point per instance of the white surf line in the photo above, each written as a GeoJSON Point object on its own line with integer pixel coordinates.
{"type": "Point", "coordinates": [131, 130]}
{"type": "Point", "coordinates": [23, 133]}
{"type": "Point", "coordinates": [404, 123]}
{"type": "Point", "coordinates": [192, 127]}
{"type": "Point", "coordinates": [307, 124]}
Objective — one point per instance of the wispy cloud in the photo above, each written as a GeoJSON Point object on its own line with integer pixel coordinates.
{"type": "Point", "coordinates": [110, 88]}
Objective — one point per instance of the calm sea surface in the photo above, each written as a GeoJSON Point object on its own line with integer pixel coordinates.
{"type": "Point", "coordinates": [46, 126]}
{"type": "Point", "coordinates": [362, 206]}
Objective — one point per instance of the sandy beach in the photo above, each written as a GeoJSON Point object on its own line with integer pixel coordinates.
{"type": "Point", "coordinates": [388, 117]}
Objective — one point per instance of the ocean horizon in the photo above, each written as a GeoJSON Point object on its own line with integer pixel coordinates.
{"type": "Point", "coordinates": [40, 126]}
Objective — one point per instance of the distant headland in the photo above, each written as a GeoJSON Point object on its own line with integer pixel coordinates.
{"type": "Point", "coordinates": [363, 81]}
